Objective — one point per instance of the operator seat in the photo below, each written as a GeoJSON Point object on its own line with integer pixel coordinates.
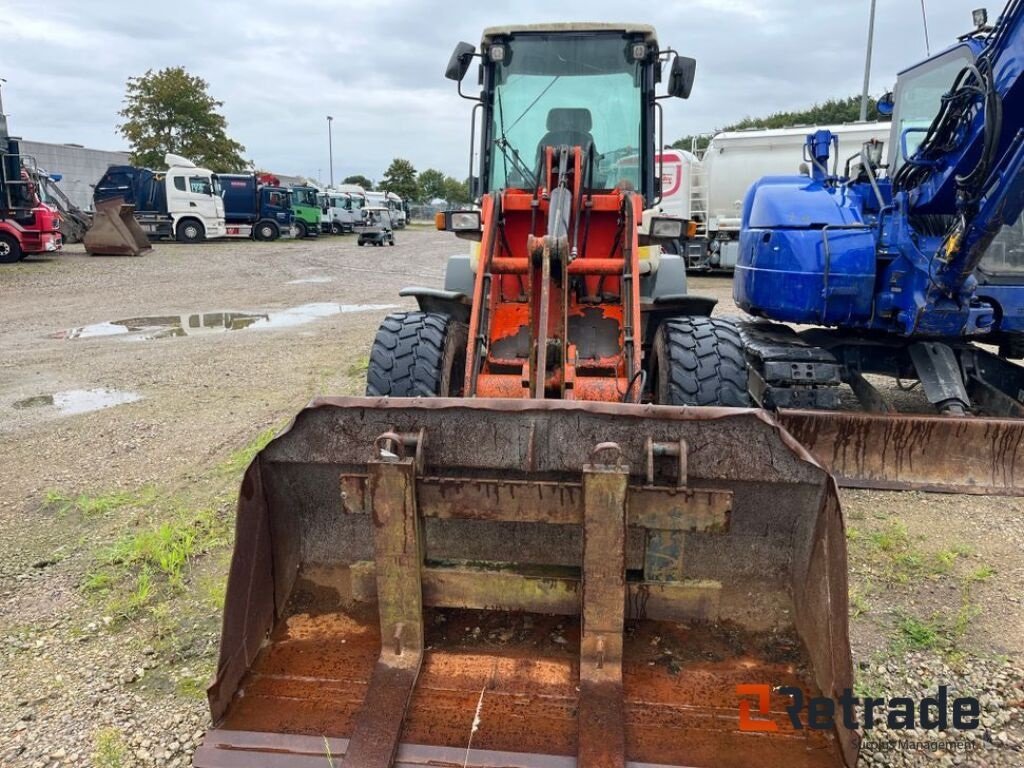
{"type": "Point", "coordinates": [569, 126]}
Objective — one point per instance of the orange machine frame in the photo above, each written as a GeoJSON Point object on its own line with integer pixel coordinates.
{"type": "Point", "coordinates": [575, 296]}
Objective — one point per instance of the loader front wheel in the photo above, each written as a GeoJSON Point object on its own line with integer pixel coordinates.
{"type": "Point", "coordinates": [700, 361]}
{"type": "Point", "coordinates": [417, 354]}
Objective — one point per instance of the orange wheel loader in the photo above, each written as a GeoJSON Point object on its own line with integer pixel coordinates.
{"type": "Point", "coordinates": [517, 551]}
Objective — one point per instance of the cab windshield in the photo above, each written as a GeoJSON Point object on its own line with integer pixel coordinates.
{"type": "Point", "coordinates": [565, 90]}
{"type": "Point", "coordinates": [304, 197]}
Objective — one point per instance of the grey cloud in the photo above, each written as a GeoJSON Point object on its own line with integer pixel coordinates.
{"type": "Point", "coordinates": [377, 67]}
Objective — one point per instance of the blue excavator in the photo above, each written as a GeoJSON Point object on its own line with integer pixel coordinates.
{"type": "Point", "coordinates": [910, 266]}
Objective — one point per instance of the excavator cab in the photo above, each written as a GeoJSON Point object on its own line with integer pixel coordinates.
{"type": "Point", "coordinates": [508, 554]}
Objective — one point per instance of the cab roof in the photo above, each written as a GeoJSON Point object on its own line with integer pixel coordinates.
{"type": "Point", "coordinates": [646, 30]}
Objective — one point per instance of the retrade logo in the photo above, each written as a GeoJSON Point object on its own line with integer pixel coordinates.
{"type": "Point", "coordinates": [819, 713]}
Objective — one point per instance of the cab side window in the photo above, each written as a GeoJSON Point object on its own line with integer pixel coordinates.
{"type": "Point", "coordinates": [200, 185]}
{"type": "Point", "coordinates": [179, 183]}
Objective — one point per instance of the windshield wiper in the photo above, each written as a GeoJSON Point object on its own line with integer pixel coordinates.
{"type": "Point", "coordinates": [508, 151]}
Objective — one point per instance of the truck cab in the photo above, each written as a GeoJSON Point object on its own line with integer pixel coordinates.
{"type": "Point", "coordinates": [184, 202]}
{"type": "Point", "coordinates": [255, 210]}
{"type": "Point", "coordinates": [398, 208]}
{"type": "Point", "coordinates": [194, 201]}
{"type": "Point", "coordinates": [306, 207]}
{"type": "Point", "coordinates": [338, 216]}
{"type": "Point", "coordinates": [27, 224]}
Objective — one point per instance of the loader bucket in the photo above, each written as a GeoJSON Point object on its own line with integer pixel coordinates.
{"type": "Point", "coordinates": [941, 454]}
{"type": "Point", "coordinates": [517, 583]}
{"type": "Point", "coordinates": [114, 231]}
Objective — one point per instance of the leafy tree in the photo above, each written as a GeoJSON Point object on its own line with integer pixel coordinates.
{"type": "Point", "coordinates": [359, 179]}
{"type": "Point", "coordinates": [830, 112]}
{"type": "Point", "coordinates": [432, 185]}
{"type": "Point", "coordinates": [171, 111]}
{"type": "Point", "coordinates": [455, 191]}
{"type": "Point", "coordinates": [400, 178]}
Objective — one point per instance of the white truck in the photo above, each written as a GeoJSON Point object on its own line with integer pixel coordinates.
{"type": "Point", "coordinates": [714, 189]}
{"type": "Point", "coordinates": [392, 202]}
{"type": "Point", "coordinates": [184, 202]}
{"type": "Point", "coordinates": [338, 214]}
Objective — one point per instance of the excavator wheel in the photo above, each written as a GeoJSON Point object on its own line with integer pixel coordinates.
{"type": "Point", "coordinates": [700, 361]}
{"type": "Point", "coordinates": [417, 354]}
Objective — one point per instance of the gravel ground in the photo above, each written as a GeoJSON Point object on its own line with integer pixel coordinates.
{"type": "Point", "coordinates": [95, 670]}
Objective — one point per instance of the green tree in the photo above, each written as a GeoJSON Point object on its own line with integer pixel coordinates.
{"type": "Point", "coordinates": [359, 179]}
{"type": "Point", "coordinates": [432, 185]}
{"type": "Point", "coordinates": [456, 192]}
{"type": "Point", "coordinates": [830, 112]}
{"type": "Point", "coordinates": [400, 178]}
{"type": "Point", "coordinates": [171, 111]}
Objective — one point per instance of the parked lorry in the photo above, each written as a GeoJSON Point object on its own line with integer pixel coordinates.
{"type": "Point", "coordinates": [502, 557]}
{"type": "Point", "coordinates": [357, 197]}
{"type": "Point", "coordinates": [255, 210]}
{"type": "Point", "coordinates": [337, 214]}
{"type": "Point", "coordinates": [27, 224]}
{"type": "Point", "coordinates": [183, 202]}
{"type": "Point", "coordinates": [307, 210]}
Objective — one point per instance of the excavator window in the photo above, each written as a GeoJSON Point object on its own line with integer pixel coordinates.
{"type": "Point", "coordinates": [569, 90]}
{"type": "Point", "coordinates": [918, 96]}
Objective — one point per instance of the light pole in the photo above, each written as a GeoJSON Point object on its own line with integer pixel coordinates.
{"type": "Point", "coordinates": [330, 146]}
{"type": "Point", "coordinates": [867, 66]}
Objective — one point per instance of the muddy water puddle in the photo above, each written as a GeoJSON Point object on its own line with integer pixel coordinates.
{"type": "Point", "coordinates": [154, 327]}
{"type": "Point", "coordinates": [74, 401]}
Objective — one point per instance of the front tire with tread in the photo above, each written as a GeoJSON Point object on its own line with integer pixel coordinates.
{"type": "Point", "coordinates": [190, 231]}
{"type": "Point", "coordinates": [417, 354]}
{"type": "Point", "coordinates": [700, 361]}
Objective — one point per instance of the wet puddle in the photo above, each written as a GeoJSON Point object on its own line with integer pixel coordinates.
{"type": "Point", "coordinates": [75, 401]}
{"type": "Point", "coordinates": [171, 326]}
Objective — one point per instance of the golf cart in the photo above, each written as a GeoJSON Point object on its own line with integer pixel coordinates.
{"type": "Point", "coordinates": [376, 227]}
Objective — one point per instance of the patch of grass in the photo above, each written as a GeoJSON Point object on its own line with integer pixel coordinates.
{"type": "Point", "coordinates": [170, 546]}
{"type": "Point", "coordinates": [238, 461]}
{"type": "Point", "coordinates": [892, 538]}
{"type": "Point", "coordinates": [920, 635]}
{"type": "Point", "coordinates": [191, 687]}
{"type": "Point", "coordinates": [858, 603]}
{"type": "Point", "coordinates": [99, 505]}
{"type": "Point", "coordinates": [981, 573]}
{"type": "Point", "coordinates": [358, 369]}
{"type": "Point", "coordinates": [110, 750]}
{"type": "Point", "coordinates": [100, 581]}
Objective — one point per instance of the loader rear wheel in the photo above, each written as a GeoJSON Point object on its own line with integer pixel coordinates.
{"type": "Point", "coordinates": [700, 361]}
{"type": "Point", "coordinates": [10, 250]}
{"type": "Point", "coordinates": [417, 354]}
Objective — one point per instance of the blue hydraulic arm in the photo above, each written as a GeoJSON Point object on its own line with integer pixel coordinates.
{"type": "Point", "coordinates": [972, 153]}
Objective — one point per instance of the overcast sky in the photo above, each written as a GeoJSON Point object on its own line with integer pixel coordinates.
{"type": "Point", "coordinates": [280, 68]}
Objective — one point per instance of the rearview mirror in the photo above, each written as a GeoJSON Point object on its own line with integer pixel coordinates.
{"type": "Point", "coordinates": [886, 105]}
{"type": "Point", "coordinates": [680, 80]}
{"type": "Point", "coordinates": [458, 64]}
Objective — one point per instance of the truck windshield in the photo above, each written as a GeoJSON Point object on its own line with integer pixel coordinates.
{"type": "Point", "coordinates": [918, 98]}
{"type": "Point", "coordinates": [555, 90]}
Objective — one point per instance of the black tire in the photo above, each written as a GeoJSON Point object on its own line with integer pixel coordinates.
{"type": "Point", "coordinates": [10, 250]}
{"type": "Point", "coordinates": [300, 230]}
{"type": "Point", "coordinates": [190, 231]}
{"type": "Point", "coordinates": [361, 242]}
{"type": "Point", "coordinates": [335, 229]}
{"type": "Point", "coordinates": [392, 241]}
{"type": "Point", "coordinates": [417, 354]}
{"type": "Point", "coordinates": [267, 230]}
{"type": "Point", "coordinates": [700, 361]}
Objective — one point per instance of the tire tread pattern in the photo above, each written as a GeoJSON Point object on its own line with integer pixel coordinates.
{"type": "Point", "coordinates": [706, 363]}
{"type": "Point", "coordinates": [407, 357]}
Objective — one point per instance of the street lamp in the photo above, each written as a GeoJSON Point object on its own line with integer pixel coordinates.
{"type": "Point", "coordinates": [867, 66]}
{"type": "Point", "coordinates": [330, 146]}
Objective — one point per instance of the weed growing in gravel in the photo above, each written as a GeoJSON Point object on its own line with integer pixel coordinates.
{"type": "Point", "coordinates": [240, 459]}
{"type": "Point", "coordinates": [110, 750]}
{"type": "Point", "coordinates": [100, 505]}
{"type": "Point", "coordinates": [920, 635]}
{"type": "Point", "coordinates": [981, 573]}
{"type": "Point", "coordinates": [858, 603]}
{"type": "Point", "coordinates": [191, 687]}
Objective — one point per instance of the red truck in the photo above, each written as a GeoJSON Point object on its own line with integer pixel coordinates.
{"type": "Point", "coordinates": [27, 225]}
